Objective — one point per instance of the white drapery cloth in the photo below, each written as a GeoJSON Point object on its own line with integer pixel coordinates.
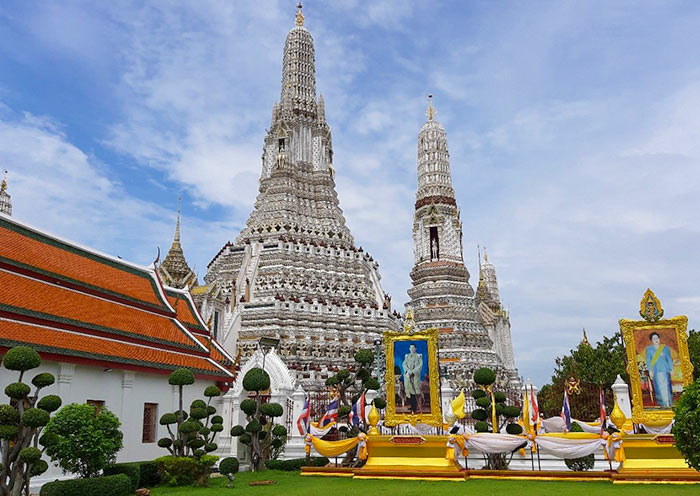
{"type": "Point", "coordinates": [656, 429]}
{"type": "Point", "coordinates": [320, 431]}
{"type": "Point", "coordinates": [556, 424]}
{"type": "Point", "coordinates": [486, 442]}
{"type": "Point", "coordinates": [571, 446]}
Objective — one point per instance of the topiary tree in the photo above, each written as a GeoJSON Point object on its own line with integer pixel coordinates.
{"type": "Point", "coordinates": [686, 426]}
{"type": "Point", "coordinates": [193, 433]}
{"type": "Point", "coordinates": [229, 468]}
{"type": "Point", "coordinates": [348, 387]}
{"type": "Point", "coordinates": [493, 414]}
{"type": "Point", "coordinates": [83, 440]}
{"type": "Point", "coordinates": [583, 463]}
{"type": "Point", "coordinates": [261, 435]}
{"type": "Point", "coordinates": [22, 421]}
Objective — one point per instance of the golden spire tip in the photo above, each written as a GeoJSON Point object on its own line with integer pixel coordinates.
{"type": "Point", "coordinates": [300, 16]}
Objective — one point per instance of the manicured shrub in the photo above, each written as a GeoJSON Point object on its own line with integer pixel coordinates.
{"type": "Point", "coordinates": [43, 380]}
{"type": "Point", "coordinates": [131, 470]}
{"type": "Point", "coordinates": [478, 393]}
{"type": "Point", "coordinates": [480, 414]}
{"type": "Point", "coordinates": [380, 403]}
{"type": "Point", "coordinates": [271, 409]}
{"type": "Point", "coordinates": [21, 359]}
{"type": "Point", "coordinates": [484, 376]}
{"type": "Point", "coordinates": [256, 379]}
{"type": "Point", "coordinates": [295, 464]}
{"type": "Point", "coordinates": [149, 474]}
{"type": "Point", "coordinates": [364, 356]}
{"type": "Point", "coordinates": [228, 466]}
{"type": "Point", "coordinates": [184, 470]}
{"type": "Point", "coordinates": [50, 403]}
{"type": "Point", "coordinates": [17, 390]}
{"type": "Point", "coordinates": [481, 426]}
{"type": "Point", "coordinates": [514, 429]}
{"type": "Point", "coordinates": [181, 377]}
{"type": "Point", "coordinates": [248, 406]}
{"type": "Point", "coordinates": [212, 391]}
{"type": "Point", "coordinates": [112, 485]}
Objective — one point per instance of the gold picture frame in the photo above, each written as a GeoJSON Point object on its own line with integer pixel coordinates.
{"type": "Point", "coordinates": [398, 342]}
{"type": "Point", "coordinates": [649, 405]}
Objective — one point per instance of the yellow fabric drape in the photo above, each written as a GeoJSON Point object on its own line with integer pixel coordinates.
{"type": "Point", "coordinates": [526, 414]}
{"type": "Point", "coordinates": [333, 448]}
{"type": "Point", "coordinates": [619, 452]}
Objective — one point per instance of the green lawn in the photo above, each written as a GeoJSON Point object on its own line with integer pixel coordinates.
{"type": "Point", "coordinates": [292, 484]}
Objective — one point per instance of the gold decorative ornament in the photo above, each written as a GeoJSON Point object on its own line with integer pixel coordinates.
{"type": "Point", "coordinates": [637, 336]}
{"type": "Point", "coordinates": [408, 323]}
{"type": "Point", "coordinates": [573, 385]}
{"type": "Point", "coordinates": [430, 336]}
{"type": "Point", "coordinates": [300, 16]}
{"type": "Point", "coordinates": [373, 419]}
{"type": "Point", "coordinates": [650, 307]}
{"type": "Point", "coordinates": [617, 416]}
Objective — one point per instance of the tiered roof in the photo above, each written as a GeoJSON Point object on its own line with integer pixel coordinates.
{"type": "Point", "coordinates": [76, 305]}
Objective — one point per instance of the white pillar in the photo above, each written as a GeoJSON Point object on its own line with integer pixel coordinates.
{"type": "Point", "coordinates": [448, 394]}
{"type": "Point", "coordinates": [298, 397]}
{"type": "Point", "coordinates": [64, 379]}
{"type": "Point", "coordinates": [622, 395]}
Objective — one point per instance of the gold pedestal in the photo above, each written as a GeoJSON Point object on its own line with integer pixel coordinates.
{"type": "Point", "coordinates": [409, 457]}
{"type": "Point", "coordinates": [653, 459]}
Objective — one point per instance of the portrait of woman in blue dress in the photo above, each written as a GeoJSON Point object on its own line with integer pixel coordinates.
{"type": "Point", "coordinates": [660, 367]}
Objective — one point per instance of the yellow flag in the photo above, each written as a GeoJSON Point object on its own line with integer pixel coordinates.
{"type": "Point", "coordinates": [458, 405]}
{"type": "Point", "coordinates": [526, 414]}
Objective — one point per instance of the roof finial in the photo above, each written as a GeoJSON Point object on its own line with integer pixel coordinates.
{"type": "Point", "coordinates": [478, 251]}
{"type": "Point", "coordinates": [300, 16]}
{"type": "Point", "coordinates": [431, 110]}
{"type": "Point", "coordinates": [177, 225]}
{"type": "Point", "coordinates": [584, 341]}
{"type": "Point", "coordinates": [486, 256]}
{"type": "Point", "coordinates": [3, 185]}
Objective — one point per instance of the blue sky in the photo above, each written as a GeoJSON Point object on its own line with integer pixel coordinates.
{"type": "Point", "coordinates": [572, 126]}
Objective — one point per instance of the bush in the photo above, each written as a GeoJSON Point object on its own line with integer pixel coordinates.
{"type": "Point", "coordinates": [181, 377]}
{"type": "Point", "coordinates": [364, 356]}
{"type": "Point", "coordinates": [112, 485]}
{"type": "Point", "coordinates": [256, 379]}
{"type": "Point", "coordinates": [478, 393]}
{"type": "Point", "coordinates": [185, 471]}
{"type": "Point", "coordinates": [686, 428]}
{"type": "Point", "coordinates": [271, 409]}
{"type": "Point", "coordinates": [21, 359]}
{"type": "Point", "coordinates": [228, 466]}
{"type": "Point", "coordinates": [295, 464]}
{"type": "Point", "coordinates": [514, 429]}
{"type": "Point", "coordinates": [83, 442]}
{"type": "Point", "coordinates": [481, 426]}
{"type": "Point", "coordinates": [480, 414]}
{"type": "Point", "coordinates": [131, 470]}
{"type": "Point", "coordinates": [149, 474]}
{"type": "Point", "coordinates": [248, 406]}
{"type": "Point", "coordinates": [484, 376]}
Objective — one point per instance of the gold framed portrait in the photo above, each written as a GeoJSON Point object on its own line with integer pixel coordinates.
{"type": "Point", "coordinates": [412, 378]}
{"type": "Point", "coordinates": [658, 362]}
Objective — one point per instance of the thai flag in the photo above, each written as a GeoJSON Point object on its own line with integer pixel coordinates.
{"type": "Point", "coordinates": [566, 412]}
{"type": "Point", "coordinates": [535, 408]}
{"type": "Point", "coordinates": [303, 420]}
{"type": "Point", "coordinates": [331, 414]}
{"type": "Point", "coordinates": [603, 413]}
{"type": "Point", "coordinates": [357, 413]}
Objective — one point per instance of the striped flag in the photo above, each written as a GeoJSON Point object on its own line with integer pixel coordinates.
{"type": "Point", "coordinates": [357, 413]}
{"type": "Point", "coordinates": [603, 413]}
{"type": "Point", "coordinates": [535, 407]}
{"type": "Point", "coordinates": [566, 412]}
{"type": "Point", "coordinates": [331, 414]}
{"type": "Point", "coordinates": [303, 420]}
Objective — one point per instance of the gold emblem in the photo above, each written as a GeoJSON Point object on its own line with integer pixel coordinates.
{"type": "Point", "coordinates": [650, 307]}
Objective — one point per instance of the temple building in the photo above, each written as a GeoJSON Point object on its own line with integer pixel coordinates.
{"type": "Point", "coordinates": [294, 271]}
{"type": "Point", "coordinates": [108, 331]}
{"type": "Point", "coordinates": [474, 328]}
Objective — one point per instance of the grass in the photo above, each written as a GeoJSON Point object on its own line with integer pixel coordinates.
{"type": "Point", "coordinates": [293, 484]}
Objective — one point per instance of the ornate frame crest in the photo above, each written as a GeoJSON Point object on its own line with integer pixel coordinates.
{"type": "Point", "coordinates": [392, 418]}
{"type": "Point", "coordinates": [653, 321]}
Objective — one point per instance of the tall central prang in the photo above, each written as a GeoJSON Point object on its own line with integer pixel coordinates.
{"type": "Point", "coordinates": [294, 271]}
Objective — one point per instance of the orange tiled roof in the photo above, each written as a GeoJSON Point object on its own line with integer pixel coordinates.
{"type": "Point", "coordinates": [25, 247]}
{"type": "Point", "coordinates": [51, 340]}
{"type": "Point", "coordinates": [72, 302]}
{"type": "Point", "coordinates": [185, 310]}
{"type": "Point", "coordinates": [42, 300]}
{"type": "Point", "coordinates": [215, 352]}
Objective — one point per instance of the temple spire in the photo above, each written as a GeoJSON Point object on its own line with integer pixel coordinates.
{"type": "Point", "coordinates": [431, 113]}
{"type": "Point", "coordinates": [5, 198]}
{"type": "Point", "coordinates": [174, 270]}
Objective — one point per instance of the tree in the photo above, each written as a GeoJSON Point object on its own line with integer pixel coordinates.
{"type": "Point", "coordinates": [21, 422]}
{"type": "Point", "coordinates": [194, 433]}
{"type": "Point", "coordinates": [595, 366]}
{"type": "Point", "coordinates": [694, 351]}
{"type": "Point", "coordinates": [686, 427]}
{"type": "Point", "coordinates": [82, 439]}
{"type": "Point", "coordinates": [261, 434]}
{"type": "Point", "coordinates": [493, 413]}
